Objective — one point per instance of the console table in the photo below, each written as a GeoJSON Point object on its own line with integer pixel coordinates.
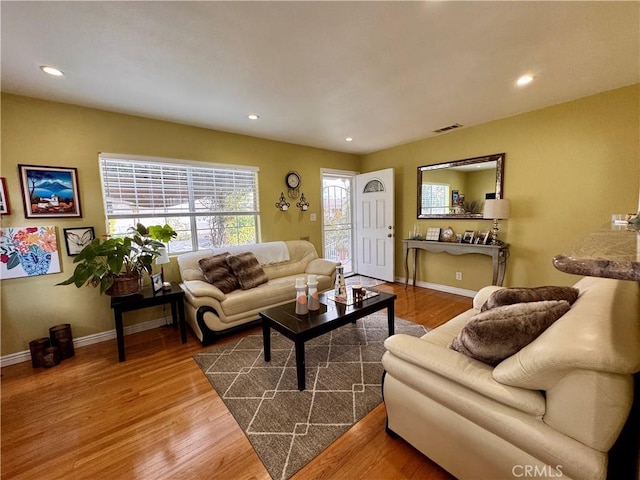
{"type": "Point", "coordinates": [499, 254]}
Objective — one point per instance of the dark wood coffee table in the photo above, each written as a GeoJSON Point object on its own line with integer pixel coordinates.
{"type": "Point", "coordinates": [331, 315]}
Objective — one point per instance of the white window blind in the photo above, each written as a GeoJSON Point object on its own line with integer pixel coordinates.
{"type": "Point", "coordinates": [208, 205]}
{"type": "Point", "coordinates": [435, 199]}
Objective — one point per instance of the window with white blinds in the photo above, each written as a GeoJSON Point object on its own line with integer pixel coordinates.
{"type": "Point", "coordinates": [209, 205]}
{"type": "Point", "coordinates": [435, 199]}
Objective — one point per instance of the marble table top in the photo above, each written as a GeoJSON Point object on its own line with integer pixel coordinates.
{"type": "Point", "coordinates": [606, 253]}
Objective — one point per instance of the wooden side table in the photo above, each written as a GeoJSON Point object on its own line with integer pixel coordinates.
{"type": "Point", "coordinates": [146, 298]}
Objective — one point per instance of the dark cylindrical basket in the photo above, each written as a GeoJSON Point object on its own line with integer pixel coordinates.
{"type": "Point", "coordinates": [51, 357]}
{"type": "Point", "coordinates": [37, 348]}
{"type": "Point", "coordinates": [62, 338]}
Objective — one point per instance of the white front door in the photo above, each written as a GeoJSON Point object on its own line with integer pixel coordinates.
{"type": "Point", "coordinates": [375, 224]}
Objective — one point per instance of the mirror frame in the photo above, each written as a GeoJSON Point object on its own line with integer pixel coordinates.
{"type": "Point", "coordinates": [497, 157]}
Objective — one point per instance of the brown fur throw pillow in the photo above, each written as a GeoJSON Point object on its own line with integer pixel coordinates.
{"type": "Point", "coordinates": [509, 296]}
{"type": "Point", "coordinates": [217, 272]}
{"type": "Point", "coordinates": [498, 333]}
{"type": "Point", "coordinates": [247, 270]}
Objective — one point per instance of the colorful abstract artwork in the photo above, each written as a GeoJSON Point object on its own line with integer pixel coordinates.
{"type": "Point", "coordinates": [49, 191]}
{"type": "Point", "coordinates": [28, 251]}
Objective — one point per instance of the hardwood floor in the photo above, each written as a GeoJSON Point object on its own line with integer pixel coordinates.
{"type": "Point", "coordinates": [156, 416]}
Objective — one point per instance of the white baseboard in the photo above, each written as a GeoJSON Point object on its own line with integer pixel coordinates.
{"type": "Point", "coordinates": [442, 288]}
{"type": "Point", "coordinates": [25, 355]}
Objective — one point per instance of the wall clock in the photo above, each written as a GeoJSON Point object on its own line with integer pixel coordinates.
{"type": "Point", "coordinates": [293, 181]}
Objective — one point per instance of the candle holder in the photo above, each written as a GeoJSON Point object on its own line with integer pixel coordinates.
{"type": "Point", "coordinates": [282, 204]}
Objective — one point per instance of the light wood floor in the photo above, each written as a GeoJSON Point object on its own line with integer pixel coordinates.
{"type": "Point", "coordinates": [156, 416]}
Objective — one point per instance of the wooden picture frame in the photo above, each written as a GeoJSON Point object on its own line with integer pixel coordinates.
{"type": "Point", "coordinates": [77, 238]}
{"type": "Point", "coordinates": [4, 198]}
{"type": "Point", "coordinates": [156, 282]}
{"type": "Point", "coordinates": [49, 192]}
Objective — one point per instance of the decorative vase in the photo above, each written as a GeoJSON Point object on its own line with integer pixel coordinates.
{"type": "Point", "coordinates": [341, 287]}
{"type": "Point", "coordinates": [301, 297]}
{"type": "Point", "coordinates": [314, 301]}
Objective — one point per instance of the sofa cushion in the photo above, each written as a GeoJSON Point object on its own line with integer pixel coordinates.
{"type": "Point", "coordinates": [510, 296]}
{"type": "Point", "coordinates": [601, 332]}
{"type": "Point", "coordinates": [496, 334]}
{"type": "Point", "coordinates": [217, 271]}
{"type": "Point", "coordinates": [247, 269]}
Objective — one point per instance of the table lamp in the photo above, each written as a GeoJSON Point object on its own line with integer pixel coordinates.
{"type": "Point", "coordinates": [495, 210]}
{"type": "Point", "coordinates": [162, 260]}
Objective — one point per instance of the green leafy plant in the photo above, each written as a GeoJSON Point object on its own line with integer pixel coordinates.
{"type": "Point", "coordinates": [100, 262]}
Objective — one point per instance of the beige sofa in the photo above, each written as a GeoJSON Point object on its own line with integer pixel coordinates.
{"type": "Point", "coordinates": [552, 410]}
{"type": "Point", "coordinates": [210, 312]}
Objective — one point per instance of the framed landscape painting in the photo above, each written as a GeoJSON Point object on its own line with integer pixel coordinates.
{"type": "Point", "coordinates": [49, 192]}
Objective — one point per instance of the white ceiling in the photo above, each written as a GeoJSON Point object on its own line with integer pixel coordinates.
{"type": "Point", "coordinates": [384, 73]}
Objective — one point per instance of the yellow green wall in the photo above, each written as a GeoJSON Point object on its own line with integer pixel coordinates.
{"type": "Point", "coordinates": [567, 169]}
{"type": "Point", "coordinates": [46, 133]}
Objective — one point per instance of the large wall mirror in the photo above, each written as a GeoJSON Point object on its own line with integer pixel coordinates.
{"type": "Point", "coordinates": [458, 189]}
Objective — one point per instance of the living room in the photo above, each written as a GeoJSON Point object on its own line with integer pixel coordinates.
{"type": "Point", "coordinates": [569, 166]}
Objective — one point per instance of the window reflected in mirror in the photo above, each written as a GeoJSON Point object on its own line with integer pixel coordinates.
{"type": "Point", "coordinates": [459, 189]}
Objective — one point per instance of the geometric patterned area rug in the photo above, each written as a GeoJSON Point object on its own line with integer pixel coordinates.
{"type": "Point", "coordinates": [286, 427]}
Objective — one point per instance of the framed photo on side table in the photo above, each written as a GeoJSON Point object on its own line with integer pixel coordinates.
{"type": "Point", "coordinates": [156, 282]}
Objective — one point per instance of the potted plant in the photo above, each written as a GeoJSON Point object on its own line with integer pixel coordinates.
{"type": "Point", "coordinates": [117, 264]}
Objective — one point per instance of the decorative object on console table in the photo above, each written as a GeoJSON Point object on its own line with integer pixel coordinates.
{"type": "Point", "coordinates": [433, 234]}
{"type": "Point", "coordinates": [498, 209]}
{"type": "Point", "coordinates": [448, 235]}
{"type": "Point", "coordinates": [282, 203]}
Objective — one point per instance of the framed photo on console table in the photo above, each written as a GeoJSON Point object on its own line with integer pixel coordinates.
{"type": "Point", "coordinates": [468, 236]}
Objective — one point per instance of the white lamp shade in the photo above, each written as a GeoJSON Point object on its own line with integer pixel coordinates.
{"type": "Point", "coordinates": [497, 209]}
{"type": "Point", "coordinates": [163, 257]}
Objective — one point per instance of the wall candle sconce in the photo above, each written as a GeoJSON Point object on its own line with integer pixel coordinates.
{"type": "Point", "coordinates": [303, 204]}
{"type": "Point", "coordinates": [282, 204]}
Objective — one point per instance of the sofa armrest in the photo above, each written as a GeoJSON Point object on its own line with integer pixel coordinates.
{"type": "Point", "coordinates": [483, 295]}
{"type": "Point", "coordinates": [458, 368]}
{"type": "Point", "coordinates": [199, 288]}
{"type": "Point", "coordinates": [321, 266]}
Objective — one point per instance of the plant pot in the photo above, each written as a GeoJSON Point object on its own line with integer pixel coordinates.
{"type": "Point", "coordinates": [124, 285]}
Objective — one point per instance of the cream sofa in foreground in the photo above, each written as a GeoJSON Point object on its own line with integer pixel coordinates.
{"type": "Point", "coordinates": [552, 410]}
{"type": "Point", "coordinates": [210, 312]}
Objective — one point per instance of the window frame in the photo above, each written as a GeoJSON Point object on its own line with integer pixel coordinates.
{"type": "Point", "coordinates": [193, 214]}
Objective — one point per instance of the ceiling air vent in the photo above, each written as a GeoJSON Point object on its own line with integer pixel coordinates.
{"type": "Point", "coordinates": [446, 129]}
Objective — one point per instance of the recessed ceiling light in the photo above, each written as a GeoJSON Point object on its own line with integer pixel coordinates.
{"type": "Point", "coordinates": [51, 70]}
{"type": "Point", "coordinates": [253, 116]}
{"type": "Point", "coordinates": [524, 80]}
{"type": "Point", "coordinates": [348, 139]}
